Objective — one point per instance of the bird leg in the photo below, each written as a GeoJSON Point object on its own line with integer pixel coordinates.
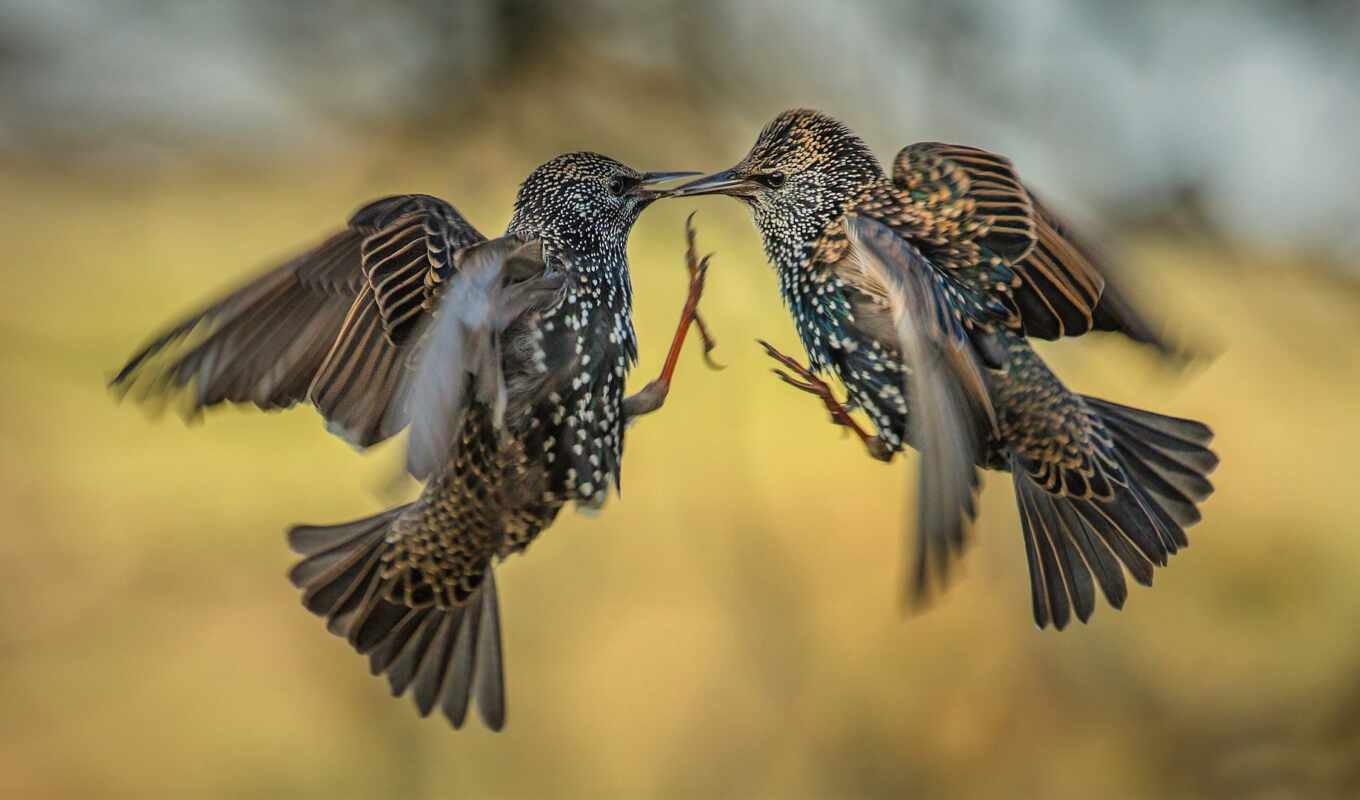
{"type": "Point", "coordinates": [653, 395]}
{"type": "Point", "coordinates": [808, 382]}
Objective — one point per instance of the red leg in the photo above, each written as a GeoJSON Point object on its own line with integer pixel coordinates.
{"type": "Point", "coordinates": [653, 395]}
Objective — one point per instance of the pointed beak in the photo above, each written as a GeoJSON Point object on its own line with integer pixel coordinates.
{"type": "Point", "coordinates": [643, 190]}
{"type": "Point", "coordinates": [729, 182]}
{"type": "Point", "coordinates": [661, 177]}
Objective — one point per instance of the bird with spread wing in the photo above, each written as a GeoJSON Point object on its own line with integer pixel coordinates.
{"type": "Point", "coordinates": [506, 359]}
{"type": "Point", "coordinates": [919, 291]}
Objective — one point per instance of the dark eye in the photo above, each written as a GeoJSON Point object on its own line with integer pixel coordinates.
{"type": "Point", "coordinates": [773, 179]}
{"type": "Point", "coordinates": [616, 187]}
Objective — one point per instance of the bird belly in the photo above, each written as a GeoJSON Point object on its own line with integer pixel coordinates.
{"type": "Point", "coordinates": [874, 376]}
{"type": "Point", "coordinates": [488, 501]}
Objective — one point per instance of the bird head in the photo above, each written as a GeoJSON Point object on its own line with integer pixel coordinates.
{"type": "Point", "coordinates": [799, 175]}
{"type": "Point", "coordinates": [585, 201]}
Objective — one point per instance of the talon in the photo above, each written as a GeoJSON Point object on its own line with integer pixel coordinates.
{"type": "Point", "coordinates": [817, 387]}
{"type": "Point", "coordinates": [707, 340]}
{"type": "Point", "coordinates": [786, 378]}
{"type": "Point", "coordinates": [689, 316]}
{"type": "Point", "coordinates": [697, 273]}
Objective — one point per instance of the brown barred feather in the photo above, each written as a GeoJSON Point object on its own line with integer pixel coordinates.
{"type": "Point", "coordinates": [332, 326]}
{"type": "Point", "coordinates": [506, 358]}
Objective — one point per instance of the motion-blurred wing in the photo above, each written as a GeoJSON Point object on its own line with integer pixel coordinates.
{"type": "Point", "coordinates": [329, 326]}
{"type": "Point", "coordinates": [261, 343]}
{"type": "Point", "coordinates": [950, 412]}
{"type": "Point", "coordinates": [460, 356]}
{"type": "Point", "coordinates": [979, 218]}
{"type": "Point", "coordinates": [1061, 251]}
{"type": "Point", "coordinates": [407, 256]}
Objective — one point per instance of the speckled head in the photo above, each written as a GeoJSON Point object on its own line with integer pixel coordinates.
{"type": "Point", "coordinates": [584, 202]}
{"type": "Point", "coordinates": [803, 170]}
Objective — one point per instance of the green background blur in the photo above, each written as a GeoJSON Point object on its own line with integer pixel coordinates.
{"type": "Point", "coordinates": [730, 627]}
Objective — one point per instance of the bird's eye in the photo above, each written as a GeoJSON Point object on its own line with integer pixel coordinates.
{"type": "Point", "coordinates": [616, 187]}
{"type": "Point", "coordinates": [773, 179]}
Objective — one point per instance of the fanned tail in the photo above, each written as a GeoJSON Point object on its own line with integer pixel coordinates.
{"type": "Point", "coordinates": [445, 656]}
{"type": "Point", "coordinates": [1075, 543]}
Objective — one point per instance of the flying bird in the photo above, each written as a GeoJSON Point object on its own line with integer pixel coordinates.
{"type": "Point", "coordinates": [506, 358]}
{"type": "Point", "coordinates": [919, 291]}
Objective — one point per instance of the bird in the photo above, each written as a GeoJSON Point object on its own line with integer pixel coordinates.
{"type": "Point", "coordinates": [506, 358]}
{"type": "Point", "coordinates": [920, 291]}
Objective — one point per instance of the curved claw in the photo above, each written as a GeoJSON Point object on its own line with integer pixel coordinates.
{"type": "Point", "coordinates": [654, 395]}
{"type": "Point", "coordinates": [709, 344]}
{"type": "Point", "coordinates": [807, 381]}
{"type": "Point", "coordinates": [792, 364]}
{"type": "Point", "coordinates": [797, 384]}
{"type": "Point", "coordinates": [698, 271]}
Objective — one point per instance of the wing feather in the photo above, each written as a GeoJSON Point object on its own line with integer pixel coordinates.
{"type": "Point", "coordinates": [975, 215]}
{"type": "Point", "coordinates": [951, 412]}
{"type": "Point", "coordinates": [460, 360]}
{"type": "Point", "coordinates": [334, 326]}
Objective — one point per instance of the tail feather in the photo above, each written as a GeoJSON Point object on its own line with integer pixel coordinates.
{"type": "Point", "coordinates": [1183, 440]}
{"type": "Point", "coordinates": [445, 656]}
{"type": "Point", "coordinates": [1075, 543]}
{"type": "Point", "coordinates": [1118, 542]}
{"type": "Point", "coordinates": [1167, 456]}
{"type": "Point", "coordinates": [391, 642]}
{"type": "Point", "coordinates": [1099, 557]}
{"type": "Point", "coordinates": [370, 628]}
{"type": "Point", "coordinates": [404, 666]}
{"type": "Point", "coordinates": [434, 664]}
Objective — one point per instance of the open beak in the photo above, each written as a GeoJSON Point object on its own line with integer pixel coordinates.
{"type": "Point", "coordinates": [729, 182]}
{"type": "Point", "coordinates": [643, 190]}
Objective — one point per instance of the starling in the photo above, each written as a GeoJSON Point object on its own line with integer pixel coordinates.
{"type": "Point", "coordinates": [918, 292]}
{"type": "Point", "coordinates": [505, 357]}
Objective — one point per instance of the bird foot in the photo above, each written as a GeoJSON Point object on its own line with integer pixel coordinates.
{"type": "Point", "coordinates": [698, 271]}
{"type": "Point", "coordinates": [809, 382]}
{"type": "Point", "coordinates": [654, 394]}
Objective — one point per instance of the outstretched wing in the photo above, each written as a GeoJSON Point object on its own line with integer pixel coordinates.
{"type": "Point", "coordinates": [332, 326]}
{"type": "Point", "coordinates": [948, 397]}
{"type": "Point", "coordinates": [1061, 250]}
{"type": "Point", "coordinates": [460, 360]}
{"type": "Point", "coordinates": [406, 259]}
{"type": "Point", "coordinates": [977, 217]}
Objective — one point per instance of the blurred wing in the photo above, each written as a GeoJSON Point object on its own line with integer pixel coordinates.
{"type": "Point", "coordinates": [261, 343]}
{"type": "Point", "coordinates": [460, 357]}
{"type": "Point", "coordinates": [408, 254]}
{"type": "Point", "coordinates": [976, 209]}
{"type": "Point", "coordinates": [1100, 303]}
{"type": "Point", "coordinates": [328, 326]}
{"type": "Point", "coordinates": [1059, 285]}
{"type": "Point", "coordinates": [950, 410]}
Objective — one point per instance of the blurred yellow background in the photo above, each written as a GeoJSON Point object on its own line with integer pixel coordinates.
{"type": "Point", "coordinates": [730, 626]}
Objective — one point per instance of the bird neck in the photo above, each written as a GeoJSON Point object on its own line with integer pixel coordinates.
{"type": "Point", "coordinates": [598, 262]}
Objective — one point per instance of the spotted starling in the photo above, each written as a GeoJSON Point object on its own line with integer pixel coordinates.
{"type": "Point", "coordinates": [918, 292]}
{"type": "Point", "coordinates": [505, 357]}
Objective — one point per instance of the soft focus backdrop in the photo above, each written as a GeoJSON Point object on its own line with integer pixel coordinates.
{"type": "Point", "coordinates": [730, 626]}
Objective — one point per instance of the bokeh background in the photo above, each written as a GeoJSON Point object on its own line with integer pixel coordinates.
{"type": "Point", "coordinates": [730, 626]}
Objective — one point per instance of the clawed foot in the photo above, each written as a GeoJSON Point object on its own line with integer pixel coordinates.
{"type": "Point", "coordinates": [653, 395]}
{"type": "Point", "coordinates": [805, 380]}
{"type": "Point", "coordinates": [808, 381]}
{"type": "Point", "coordinates": [698, 271]}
